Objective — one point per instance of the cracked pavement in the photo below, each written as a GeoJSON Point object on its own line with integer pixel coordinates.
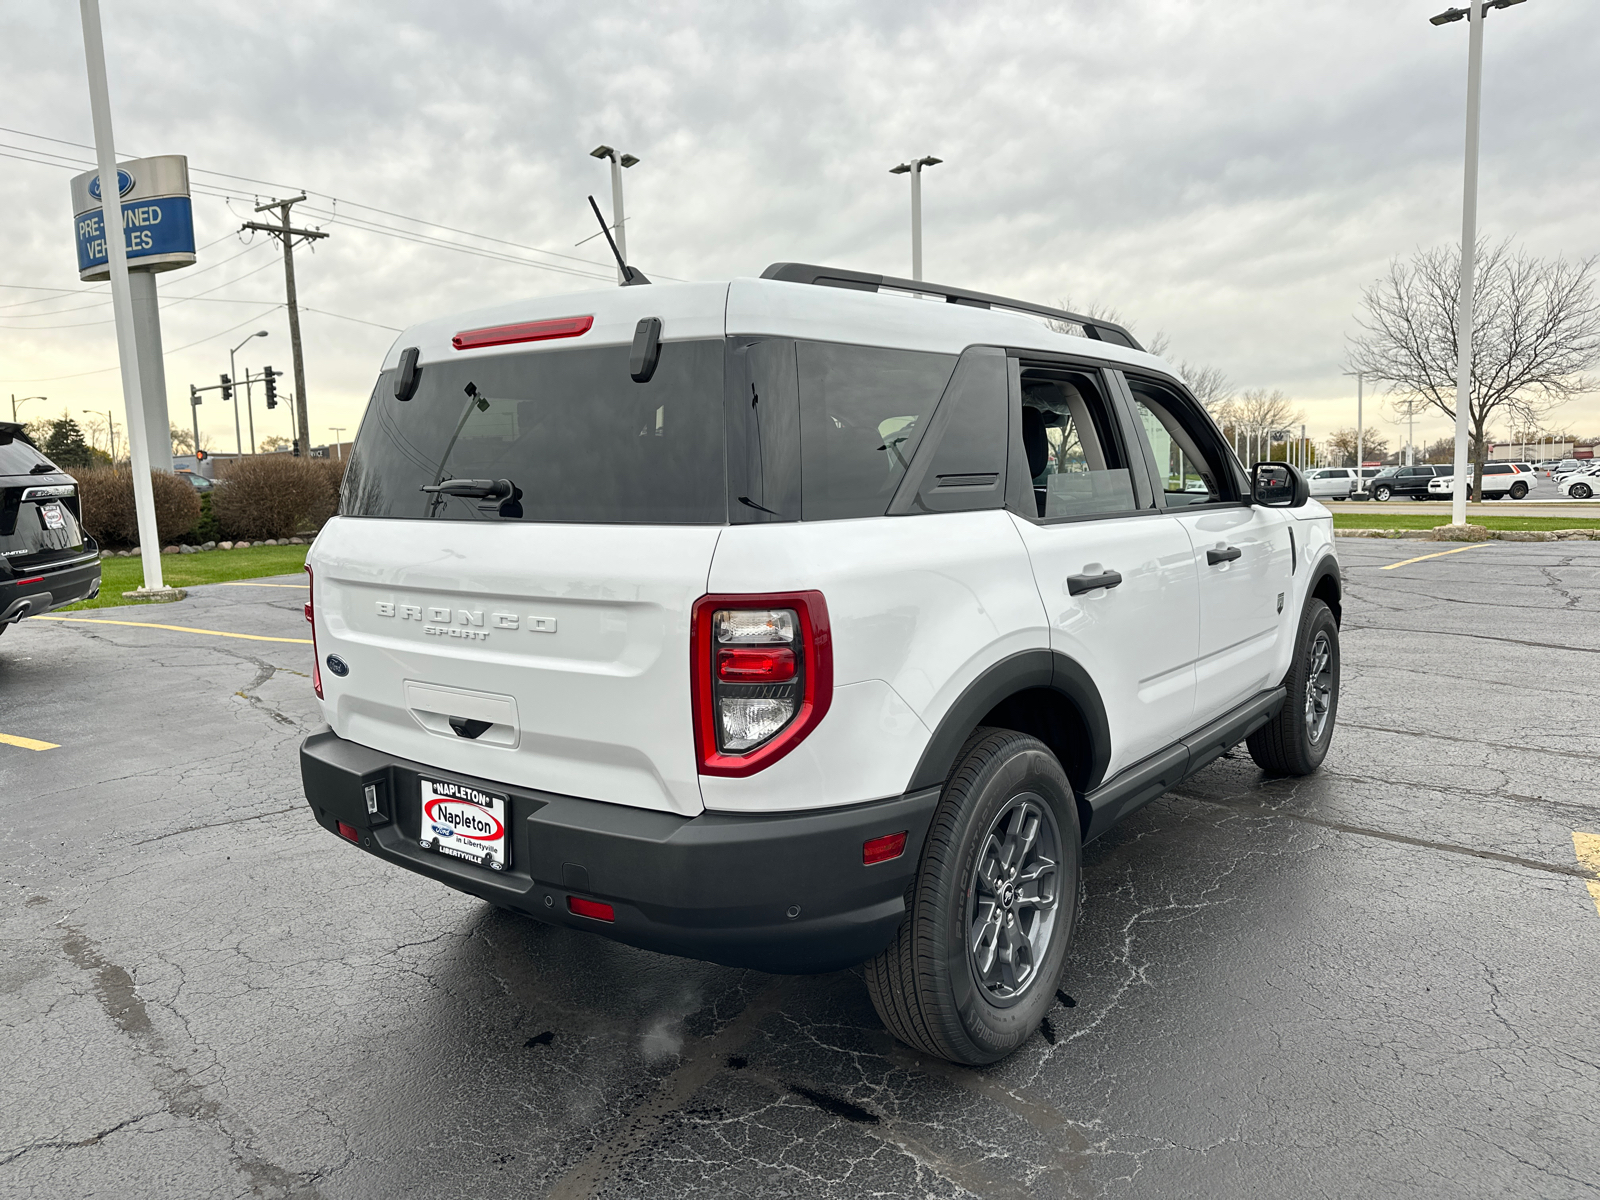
{"type": "Point", "coordinates": [1383, 979]}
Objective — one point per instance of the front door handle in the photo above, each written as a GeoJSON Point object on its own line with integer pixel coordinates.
{"type": "Point", "coordinates": [1227, 554]}
{"type": "Point", "coordinates": [1078, 584]}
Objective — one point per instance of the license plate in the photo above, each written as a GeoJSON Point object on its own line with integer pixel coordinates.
{"type": "Point", "coordinates": [54, 518]}
{"type": "Point", "coordinates": [465, 822]}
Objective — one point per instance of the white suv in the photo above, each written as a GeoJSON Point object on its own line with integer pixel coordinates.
{"type": "Point", "coordinates": [801, 621]}
{"type": "Point", "coordinates": [1500, 480]}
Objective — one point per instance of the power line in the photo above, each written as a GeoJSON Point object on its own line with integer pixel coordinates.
{"type": "Point", "coordinates": [165, 354]}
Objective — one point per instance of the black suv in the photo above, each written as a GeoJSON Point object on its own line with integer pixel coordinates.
{"type": "Point", "coordinates": [46, 560]}
{"type": "Point", "coordinates": [1410, 482]}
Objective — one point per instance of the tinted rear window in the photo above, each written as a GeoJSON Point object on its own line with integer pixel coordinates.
{"type": "Point", "coordinates": [19, 458]}
{"type": "Point", "coordinates": [570, 429]}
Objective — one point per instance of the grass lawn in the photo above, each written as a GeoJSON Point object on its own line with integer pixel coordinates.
{"type": "Point", "coordinates": [118, 575]}
{"type": "Point", "coordinates": [1372, 520]}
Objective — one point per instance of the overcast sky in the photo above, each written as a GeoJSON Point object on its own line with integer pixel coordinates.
{"type": "Point", "coordinates": [1229, 173]}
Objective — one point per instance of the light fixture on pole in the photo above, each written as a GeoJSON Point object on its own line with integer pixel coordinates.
{"type": "Point", "coordinates": [1474, 15]}
{"type": "Point", "coordinates": [914, 169]}
{"type": "Point", "coordinates": [233, 374]}
{"type": "Point", "coordinates": [338, 446]}
{"type": "Point", "coordinates": [24, 400]}
{"type": "Point", "coordinates": [618, 221]}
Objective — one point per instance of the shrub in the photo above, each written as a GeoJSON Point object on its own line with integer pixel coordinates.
{"type": "Point", "coordinates": [106, 494]}
{"type": "Point", "coordinates": [273, 496]}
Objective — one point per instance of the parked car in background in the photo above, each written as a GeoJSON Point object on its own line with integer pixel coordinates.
{"type": "Point", "coordinates": [1580, 485]}
{"type": "Point", "coordinates": [1410, 483]}
{"type": "Point", "coordinates": [1331, 483]}
{"type": "Point", "coordinates": [1499, 481]}
{"type": "Point", "coordinates": [46, 560]}
{"type": "Point", "coordinates": [199, 482]}
{"type": "Point", "coordinates": [1566, 467]}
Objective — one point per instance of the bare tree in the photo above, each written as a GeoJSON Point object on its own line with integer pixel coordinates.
{"type": "Point", "coordinates": [1536, 331]}
{"type": "Point", "coordinates": [1342, 444]}
{"type": "Point", "coordinates": [1209, 385]}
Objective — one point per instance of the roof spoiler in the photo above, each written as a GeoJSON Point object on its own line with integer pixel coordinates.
{"type": "Point", "coordinates": [861, 281]}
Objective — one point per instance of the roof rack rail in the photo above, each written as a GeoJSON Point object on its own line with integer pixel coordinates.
{"type": "Point", "coordinates": [862, 281]}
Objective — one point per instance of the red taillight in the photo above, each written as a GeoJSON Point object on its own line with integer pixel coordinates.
{"type": "Point", "coordinates": [524, 331]}
{"type": "Point", "coordinates": [761, 677]}
{"type": "Point", "coordinates": [578, 906]}
{"type": "Point", "coordinates": [316, 659]}
{"type": "Point", "coordinates": [349, 833]}
{"type": "Point", "coordinates": [35, 579]}
{"type": "Point", "coordinates": [882, 849]}
{"type": "Point", "coordinates": [755, 664]}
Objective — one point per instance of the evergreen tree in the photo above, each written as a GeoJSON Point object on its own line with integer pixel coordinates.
{"type": "Point", "coordinates": [65, 445]}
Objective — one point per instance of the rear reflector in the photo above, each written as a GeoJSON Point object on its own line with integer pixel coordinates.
{"type": "Point", "coordinates": [35, 579]}
{"type": "Point", "coordinates": [349, 833]}
{"type": "Point", "coordinates": [882, 849]}
{"type": "Point", "coordinates": [526, 331]}
{"type": "Point", "coordinates": [755, 664]}
{"type": "Point", "coordinates": [590, 908]}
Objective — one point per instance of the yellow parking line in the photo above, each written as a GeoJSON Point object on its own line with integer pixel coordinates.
{"type": "Point", "coordinates": [244, 583]}
{"type": "Point", "coordinates": [11, 739]}
{"type": "Point", "coordinates": [1421, 557]}
{"type": "Point", "coordinates": [1587, 846]}
{"type": "Point", "coordinates": [249, 637]}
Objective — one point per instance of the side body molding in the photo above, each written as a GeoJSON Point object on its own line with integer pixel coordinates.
{"type": "Point", "coordinates": [1030, 669]}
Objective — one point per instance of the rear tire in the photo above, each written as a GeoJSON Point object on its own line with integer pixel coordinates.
{"type": "Point", "coordinates": [1518, 490]}
{"type": "Point", "coordinates": [1296, 740]}
{"type": "Point", "coordinates": [1580, 491]}
{"type": "Point", "coordinates": [974, 966]}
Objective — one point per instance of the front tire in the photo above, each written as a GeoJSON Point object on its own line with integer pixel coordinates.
{"type": "Point", "coordinates": [973, 968]}
{"type": "Point", "coordinates": [1381, 493]}
{"type": "Point", "coordinates": [1296, 740]}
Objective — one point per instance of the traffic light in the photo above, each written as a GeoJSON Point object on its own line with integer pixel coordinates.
{"type": "Point", "coordinates": [200, 456]}
{"type": "Point", "coordinates": [194, 396]}
{"type": "Point", "coordinates": [270, 376]}
{"type": "Point", "coordinates": [227, 388]}
{"type": "Point", "coordinates": [297, 448]}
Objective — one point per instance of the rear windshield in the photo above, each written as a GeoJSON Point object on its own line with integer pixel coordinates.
{"type": "Point", "coordinates": [19, 458]}
{"type": "Point", "coordinates": [572, 435]}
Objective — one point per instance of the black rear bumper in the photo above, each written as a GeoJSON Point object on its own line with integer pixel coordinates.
{"type": "Point", "coordinates": [716, 887]}
{"type": "Point", "coordinates": [31, 592]}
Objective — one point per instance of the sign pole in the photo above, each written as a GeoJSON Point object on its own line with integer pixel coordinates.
{"type": "Point", "coordinates": [122, 301]}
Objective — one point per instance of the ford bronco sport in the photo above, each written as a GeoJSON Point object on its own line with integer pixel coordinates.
{"type": "Point", "coordinates": [800, 622]}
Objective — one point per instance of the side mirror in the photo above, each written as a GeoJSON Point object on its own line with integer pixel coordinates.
{"type": "Point", "coordinates": [1278, 485]}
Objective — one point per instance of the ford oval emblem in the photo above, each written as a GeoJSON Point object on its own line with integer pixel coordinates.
{"type": "Point", "coordinates": [124, 184]}
{"type": "Point", "coordinates": [338, 666]}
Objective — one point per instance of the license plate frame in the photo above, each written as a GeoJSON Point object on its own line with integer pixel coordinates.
{"type": "Point", "coordinates": [463, 821]}
{"type": "Point", "coordinates": [52, 516]}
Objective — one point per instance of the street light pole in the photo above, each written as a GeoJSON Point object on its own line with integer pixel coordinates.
{"type": "Point", "coordinates": [618, 221]}
{"type": "Point", "coordinates": [338, 446]}
{"type": "Point", "coordinates": [914, 168]}
{"type": "Point", "coordinates": [233, 374]}
{"type": "Point", "coordinates": [1474, 14]}
{"type": "Point", "coordinates": [24, 400]}
{"type": "Point", "coordinates": [1360, 380]}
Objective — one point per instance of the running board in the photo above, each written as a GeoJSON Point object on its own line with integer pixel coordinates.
{"type": "Point", "coordinates": [1133, 788]}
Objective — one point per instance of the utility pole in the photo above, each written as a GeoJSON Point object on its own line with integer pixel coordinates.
{"type": "Point", "coordinates": [914, 167]}
{"type": "Point", "coordinates": [286, 234]}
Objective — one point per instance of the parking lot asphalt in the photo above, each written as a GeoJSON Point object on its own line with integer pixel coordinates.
{"type": "Point", "coordinates": [1382, 980]}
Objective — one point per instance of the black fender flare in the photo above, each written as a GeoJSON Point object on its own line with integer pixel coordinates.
{"type": "Point", "coordinates": [1327, 568]}
{"type": "Point", "coordinates": [1020, 672]}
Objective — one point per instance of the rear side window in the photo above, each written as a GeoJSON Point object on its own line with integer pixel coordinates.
{"type": "Point", "coordinates": [557, 435]}
{"type": "Point", "coordinates": [863, 411]}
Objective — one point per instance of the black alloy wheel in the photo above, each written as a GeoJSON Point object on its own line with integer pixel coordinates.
{"type": "Point", "coordinates": [1296, 740]}
{"type": "Point", "coordinates": [1580, 491]}
{"type": "Point", "coordinates": [973, 968]}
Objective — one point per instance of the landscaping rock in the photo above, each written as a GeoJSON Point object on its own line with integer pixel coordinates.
{"type": "Point", "coordinates": [169, 549]}
{"type": "Point", "coordinates": [224, 545]}
{"type": "Point", "coordinates": [1461, 533]}
{"type": "Point", "coordinates": [297, 541]}
{"type": "Point", "coordinates": [187, 550]}
{"type": "Point", "coordinates": [241, 545]}
{"type": "Point", "coordinates": [208, 545]}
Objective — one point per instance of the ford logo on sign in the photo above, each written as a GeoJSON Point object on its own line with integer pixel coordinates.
{"type": "Point", "coordinates": [338, 666]}
{"type": "Point", "coordinates": [124, 184]}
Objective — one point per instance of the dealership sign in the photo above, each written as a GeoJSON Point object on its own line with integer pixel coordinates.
{"type": "Point", "coordinates": [157, 224]}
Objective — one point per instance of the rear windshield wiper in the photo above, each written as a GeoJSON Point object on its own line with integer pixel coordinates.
{"type": "Point", "coordinates": [44, 469]}
{"type": "Point", "coordinates": [478, 489]}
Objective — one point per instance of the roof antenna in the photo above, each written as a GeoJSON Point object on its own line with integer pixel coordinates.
{"type": "Point", "coordinates": [630, 275]}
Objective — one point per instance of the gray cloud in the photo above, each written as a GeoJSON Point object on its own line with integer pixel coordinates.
{"type": "Point", "coordinates": [1232, 174]}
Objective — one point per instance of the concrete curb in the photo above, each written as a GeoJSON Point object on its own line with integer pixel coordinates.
{"type": "Point", "coordinates": [1476, 533]}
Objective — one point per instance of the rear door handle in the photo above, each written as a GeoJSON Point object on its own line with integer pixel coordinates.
{"type": "Point", "coordinates": [1078, 584]}
{"type": "Point", "coordinates": [1228, 554]}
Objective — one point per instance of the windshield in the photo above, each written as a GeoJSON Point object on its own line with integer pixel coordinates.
{"type": "Point", "coordinates": [548, 435]}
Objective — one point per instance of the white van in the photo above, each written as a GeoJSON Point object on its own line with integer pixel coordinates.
{"type": "Point", "coordinates": [802, 621]}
